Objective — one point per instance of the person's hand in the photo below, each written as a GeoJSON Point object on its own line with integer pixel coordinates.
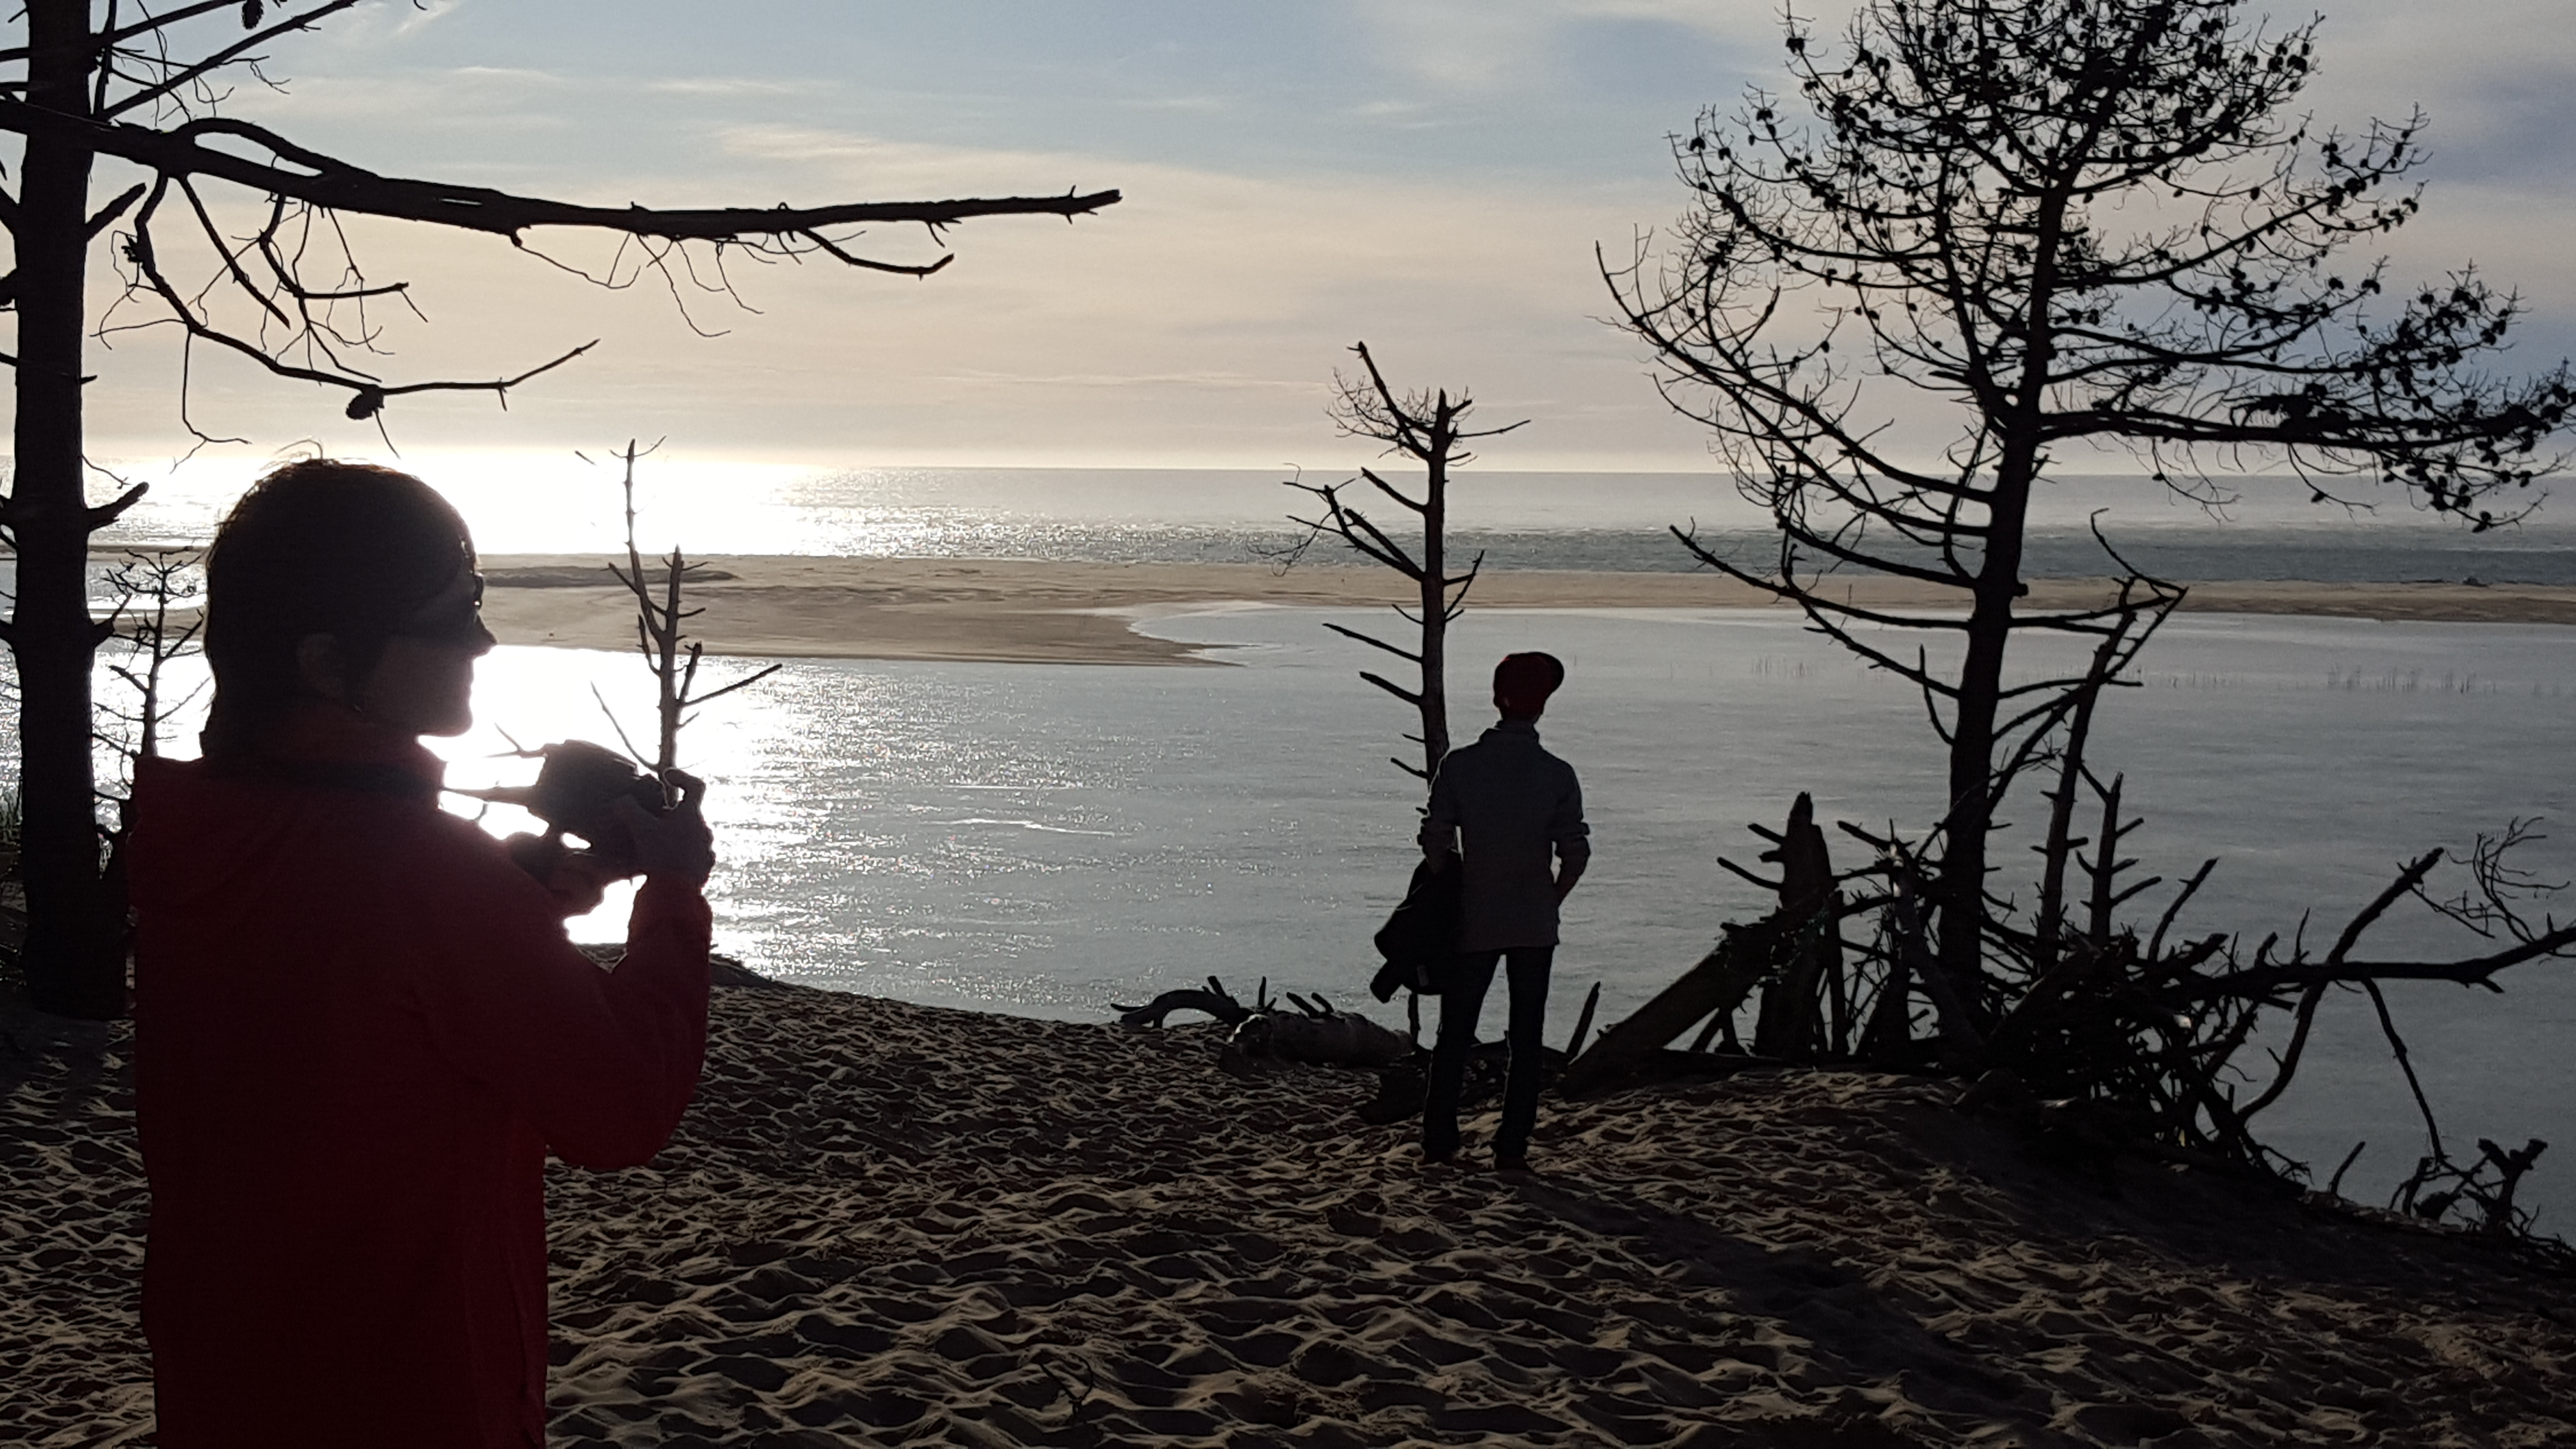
{"type": "Point", "coordinates": [676, 846]}
{"type": "Point", "coordinates": [535, 854]}
{"type": "Point", "coordinates": [578, 880]}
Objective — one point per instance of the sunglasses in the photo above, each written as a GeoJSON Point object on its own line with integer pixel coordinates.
{"type": "Point", "coordinates": [459, 623]}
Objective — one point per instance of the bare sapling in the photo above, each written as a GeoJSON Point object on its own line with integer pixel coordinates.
{"type": "Point", "coordinates": [157, 615]}
{"type": "Point", "coordinates": [1430, 429]}
{"type": "Point", "coordinates": [661, 635]}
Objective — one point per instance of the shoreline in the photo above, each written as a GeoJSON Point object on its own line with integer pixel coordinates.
{"type": "Point", "coordinates": [1026, 611]}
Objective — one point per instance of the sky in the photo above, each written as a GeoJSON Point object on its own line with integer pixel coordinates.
{"type": "Point", "coordinates": [1430, 176]}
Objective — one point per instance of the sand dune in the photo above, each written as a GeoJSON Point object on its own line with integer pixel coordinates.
{"type": "Point", "coordinates": [1009, 610]}
{"type": "Point", "coordinates": [893, 1224]}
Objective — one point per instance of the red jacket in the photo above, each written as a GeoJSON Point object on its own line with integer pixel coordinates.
{"type": "Point", "coordinates": [359, 1029]}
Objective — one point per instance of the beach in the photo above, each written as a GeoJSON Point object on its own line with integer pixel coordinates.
{"type": "Point", "coordinates": [892, 1224]}
{"type": "Point", "coordinates": [1070, 612]}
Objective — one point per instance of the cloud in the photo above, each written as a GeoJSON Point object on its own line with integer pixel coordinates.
{"type": "Point", "coordinates": [1493, 47]}
{"type": "Point", "coordinates": [375, 27]}
{"type": "Point", "coordinates": [729, 87]}
{"type": "Point", "coordinates": [1459, 46]}
{"type": "Point", "coordinates": [1197, 105]}
{"type": "Point", "coordinates": [1222, 381]}
{"type": "Point", "coordinates": [335, 108]}
{"type": "Point", "coordinates": [1400, 113]}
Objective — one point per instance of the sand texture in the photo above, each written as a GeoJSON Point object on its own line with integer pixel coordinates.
{"type": "Point", "coordinates": [1079, 613]}
{"type": "Point", "coordinates": [887, 1224]}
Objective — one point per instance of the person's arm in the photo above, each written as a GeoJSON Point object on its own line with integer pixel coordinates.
{"type": "Point", "coordinates": [601, 1062]}
{"type": "Point", "coordinates": [1439, 837]}
{"type": "Point", "coordinates": [1572, 838]}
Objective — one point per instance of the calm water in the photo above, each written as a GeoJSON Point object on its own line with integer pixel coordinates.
{"type": "Point", "coordinates": [1046, 840]}
{"type": "Point", "coordinates": [1049, 839]}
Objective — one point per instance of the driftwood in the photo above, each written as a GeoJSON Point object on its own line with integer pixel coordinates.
{"type": "Point", "coordinates": [1583, 1023]}
{"type": "Point", "coordinates": [1216, 1001]}
{"type": "Point", "coordinates": [1805, 1009]}
{"type": "Point", "coordinates": [1299, 1031]}
{"type": "Point", "coordinates": [1719, 983]}
{"type": "Point", "coordinates": [1327, 1039]}
{"type": "Point", "coordinates": [1795, 955]}
{"type": "Point", "coordinates": [2095, 1039]}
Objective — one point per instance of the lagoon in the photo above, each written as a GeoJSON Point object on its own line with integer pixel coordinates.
{"type": "Point", "coordinates": [1046, 840]}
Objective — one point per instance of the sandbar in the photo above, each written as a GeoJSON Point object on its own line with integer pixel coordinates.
{"type": "Point", "coordinates": [1025, 611]}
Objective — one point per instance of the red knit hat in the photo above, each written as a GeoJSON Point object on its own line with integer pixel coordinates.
{"type": "Point", "coordinates": [1522, 682]}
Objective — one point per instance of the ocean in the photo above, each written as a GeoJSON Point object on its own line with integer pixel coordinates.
{"type": "Point", "coordinates": [1049, 840]}
{"type": "Point", "coordinates": [1613, 521]}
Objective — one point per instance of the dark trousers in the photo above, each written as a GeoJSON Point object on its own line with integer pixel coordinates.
{"type": "Point", "coordinates": [1462, 999]}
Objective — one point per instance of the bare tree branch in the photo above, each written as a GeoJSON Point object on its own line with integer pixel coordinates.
{"type": "Point", "coordinates": [324, 181]}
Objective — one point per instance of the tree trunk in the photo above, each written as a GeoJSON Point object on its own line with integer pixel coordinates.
{"type": "Point", "coordinates": [1972, 743]}
{"type": "Point", "coordinates": [75, 946]}
{"type": "Point", "coordinates": [1435, 596]}
{"type": "Point", "coordinates": [1990, 623]}
{"type": "Point", "coordinates": [1972, 740]}
{"type": "Point", "coordinates": [2050, 922]}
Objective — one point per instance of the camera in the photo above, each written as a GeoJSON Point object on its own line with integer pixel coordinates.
{"type": "Point", "coordinates": [576, 793]}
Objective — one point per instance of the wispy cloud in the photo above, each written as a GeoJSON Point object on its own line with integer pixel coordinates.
{"type": "Point", "coordinates": [1398, 113]}
{"type": "Point", "coordinates": [1218, 381]}
{"type": "Point", "coordinates": [1195, 105]}
{"type": "Point", "coordinates": [371, 27]}
{"type": "Point", "coordinates": [1489, 47]}
{"type": "Point", "coordinates": [727, 87]}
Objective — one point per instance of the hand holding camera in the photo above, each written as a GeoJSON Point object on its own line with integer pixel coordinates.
{"type": "Point", "coordinates": [628, 824]}
{"type": "Point", "coordinates": [676, 843]}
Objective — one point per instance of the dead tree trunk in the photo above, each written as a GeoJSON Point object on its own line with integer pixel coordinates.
{"type": "Point", "coordinates": [1430, 429]}
{"type": "Point", "coordinates": [74, 953]}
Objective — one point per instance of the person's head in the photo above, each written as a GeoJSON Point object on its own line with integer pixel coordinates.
{"type": "Point", "coordinates": [1522, 683]}
{"type": "Point", "coordinates": [346, 583]}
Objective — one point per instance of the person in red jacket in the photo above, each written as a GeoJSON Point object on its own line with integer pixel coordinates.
{"type": "Point", "coordinates": [360, 1027]}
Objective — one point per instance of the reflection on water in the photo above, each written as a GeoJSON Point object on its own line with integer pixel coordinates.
{"type": "Point", "coordinates": [1048, 839]}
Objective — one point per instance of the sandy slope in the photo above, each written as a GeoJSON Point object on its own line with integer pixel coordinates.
{"type": "Point", "coordinates": [999, 609]}
{"type": "Point", "coordinates": [894, 1224]}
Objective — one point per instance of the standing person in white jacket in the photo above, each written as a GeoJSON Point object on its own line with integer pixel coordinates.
{"type": "Point", "coordinates": [1517, 811]}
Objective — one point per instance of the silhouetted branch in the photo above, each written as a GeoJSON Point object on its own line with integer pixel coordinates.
{"type": "Point", "coordinates": [329, 182]}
